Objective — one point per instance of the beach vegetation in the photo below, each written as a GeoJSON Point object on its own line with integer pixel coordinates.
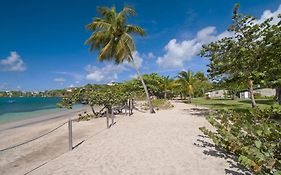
{"type": "Point", "coordinates": [112, 37]}
{"type": "Point", "coordinates": [254, 136]}
{"type": "Point", "coordinates": [249, 56]}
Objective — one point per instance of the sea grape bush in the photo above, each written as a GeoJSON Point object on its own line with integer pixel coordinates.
{"type": "Point", "coordinates": [254, 136]}
{"type": "Point", "coordinates": [92, 95]}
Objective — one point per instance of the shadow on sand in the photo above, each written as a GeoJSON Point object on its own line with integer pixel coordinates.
{"type": "Point", "coordinates": [211, 150]}
{"type": "Point", "coordinates": [200, 112]}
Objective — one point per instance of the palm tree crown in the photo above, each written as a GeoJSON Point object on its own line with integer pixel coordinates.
{"type": "Point", "coordinates": [112, 38]}
{"type": "Point", "coordinates": [112, 35]}
{"type": "Point", "coordinates": [187, 80]}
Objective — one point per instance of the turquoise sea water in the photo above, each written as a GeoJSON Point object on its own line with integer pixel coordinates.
{"type": "Point", "coordinates": [18, 108]}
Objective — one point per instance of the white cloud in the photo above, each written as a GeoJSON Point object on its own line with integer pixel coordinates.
{"type": "Point", "coordinates": [106, 73]}
{"type": "Point", "coordinates": [268, 14]}
{"type": "Point", "coordinates": [179, 52]}
{"type": "Point", "coordinates": [150, 55]}
{"type": "Point", "coordinates": [12, 63]}
{"type": "Point", "coordinates": [110, 72]}
{"type": "Point", "coordinates": [137, 60]}
{"type": "Point", "coordinates": [59, 80]}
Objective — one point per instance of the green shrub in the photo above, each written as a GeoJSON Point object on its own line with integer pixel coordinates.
{"type": "Point", "coordinates": [84, 117]}
{"type": "Point", "coordinates": [254, 136]}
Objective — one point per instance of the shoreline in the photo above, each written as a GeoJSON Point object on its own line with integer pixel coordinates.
{"type": "Point", "coordinates": [167, 142]}
{"type": "Point", "coordinates": [41, 118]}
{"type": "Point", "coordinates": [21, 159]}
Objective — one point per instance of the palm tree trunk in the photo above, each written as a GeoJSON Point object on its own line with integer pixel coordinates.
{"type": "Point", "coordinates": [165, 94]}
{"type": "Point", "coordinates": [144, 87]}
{"type": "Point", "coordinates": [251, 91]}
{"type": "Point", "coordinates": [189, 97]}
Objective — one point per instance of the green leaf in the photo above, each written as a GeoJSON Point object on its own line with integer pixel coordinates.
{"type": "Point", "coordinates": [258, 144]}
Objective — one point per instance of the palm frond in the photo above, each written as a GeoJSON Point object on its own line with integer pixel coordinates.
{"type": "Point", "coordinates": [98, 23]}
{"type": "Point", "coordinates": [112, 35]}
{"type": "Point", "coordinates": [107, 13]}
{"type": "Point", "coordinates": [98, 40]}
{"type": "Point", "coordinates": [106, 52]}
{"type": "Point", "coordinates": [135, 30]}
{"type": "Point", "coordinates": [128, 11]}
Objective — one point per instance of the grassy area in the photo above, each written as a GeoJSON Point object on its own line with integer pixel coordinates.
{"type": "Point", "coordinates": [237, 104]}
{"type": "Point", "coordinates": [158, 104]}
{"type": "Point", "coordinates": [161, 103]}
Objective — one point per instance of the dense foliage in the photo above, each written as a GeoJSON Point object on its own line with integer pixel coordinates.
{"type": "Point", "coordinates": [97, 95]}
{"type": "Point", "coordinates": [49, 93]}
{"type": "Point", "coordinates": [187, 84]}
{"type": "Point", "coordinates": [254, 136]}
{"type": "Point", "coordinates": [251, 54]}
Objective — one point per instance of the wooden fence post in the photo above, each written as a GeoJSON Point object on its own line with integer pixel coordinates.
{"type": "Point", "coordinates": [126, 106]}
{"type": "Point", "coordinates": [132, 106]}
{"type": "Point", "coordinates": [112, 117]}
{"type": "Point", "coordinates": [129, 106]}
{"type": "Point", "coordinates": [107, 118]}
{"type": "Point", "coordinates": [70, 135]}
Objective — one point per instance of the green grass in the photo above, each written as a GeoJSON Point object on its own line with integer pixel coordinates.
{"type": "Point", "coordinates": [237, 104]}
{"type": "Point", "coordinates": [161, 103]}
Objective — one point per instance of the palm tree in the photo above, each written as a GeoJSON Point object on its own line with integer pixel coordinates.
{"type": "Point", "coordinates": [167, 85]}
{"type": "Point", "coordinates": [112, 37]}
{"type": "Point", "coordinates": [187, 81]}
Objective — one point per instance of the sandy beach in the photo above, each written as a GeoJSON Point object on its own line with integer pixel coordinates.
{"type": "Point", "coordinates": [168, 142]}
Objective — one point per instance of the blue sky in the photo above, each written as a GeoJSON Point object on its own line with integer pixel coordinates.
{"type": "Point", "coordinates": [42, 42]}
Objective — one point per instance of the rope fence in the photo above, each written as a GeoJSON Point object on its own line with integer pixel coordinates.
{"type": "Point", "coordinates": [28, 141]}
{"type": "Point", "coordinates": [128, 107]}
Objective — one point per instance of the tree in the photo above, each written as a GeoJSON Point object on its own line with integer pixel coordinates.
{"type": "Point", "coordinates": [100, 95]}
{"type": "Point", "coordinates": [201, 85]}
{"type": "Point", "coordinates": [112, 37]}
{"type": "Point", "coordinates": [187, 81]}
{"type": "Point", "coordinates": [272, 58]}
{"type": "Point", "coordinates": [239, 57]}
{"type": "Point", "coordinates": [167, 85]}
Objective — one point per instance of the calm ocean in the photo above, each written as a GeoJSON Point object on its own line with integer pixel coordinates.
{"type": "Point", "coordinates": [18, 108]}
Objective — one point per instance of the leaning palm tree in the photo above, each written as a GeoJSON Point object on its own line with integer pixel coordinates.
{"type": "Point", "coordinates": [187, 81]}
{"type": "Point", "coordinates": [112, 37]}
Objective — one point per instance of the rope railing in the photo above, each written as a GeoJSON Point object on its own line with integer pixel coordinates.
{"type": "Point", "coordinates": [129, 106]}
{"type": "Point", "coordinates": [28, 141]}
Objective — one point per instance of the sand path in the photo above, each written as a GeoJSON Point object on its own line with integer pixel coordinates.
{"type": "Point", "coordinates": [167, 142]}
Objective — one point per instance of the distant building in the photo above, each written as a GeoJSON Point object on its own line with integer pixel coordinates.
{"type": "Point", "coordinates": [35, 93]}
{"type": "Point", "coordinates": [217, 93]}
{"type": "Point", "coordinates": [112, 83]}
{"type": "Point", "coordinates": [264, 92]}
{"type": "Point", "coordinates": [244, 95]}
{"type": "Point", "coordinates": [69, 90]}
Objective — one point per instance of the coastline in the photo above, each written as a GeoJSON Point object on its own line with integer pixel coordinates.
{"type": "Point", "coordinates": [168, 142]}
{"type": "Point", "coordinates": [48, 115]}
{"type": "Point", "coordinates": [21, 159]}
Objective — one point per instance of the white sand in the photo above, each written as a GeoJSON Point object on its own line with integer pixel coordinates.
{"type": "Point", "coordinates": [167, 142]}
